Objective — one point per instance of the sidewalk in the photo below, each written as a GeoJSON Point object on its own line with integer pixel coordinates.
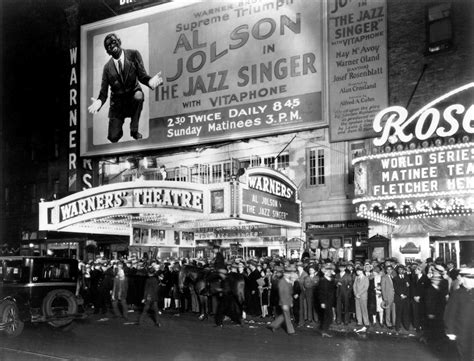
{"type": "Point", "coordinates": [258, 322]}
{"type": "Point", "coordinates": [341, 329]}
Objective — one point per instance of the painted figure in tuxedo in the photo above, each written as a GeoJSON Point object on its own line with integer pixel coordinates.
{"type": "Point", "coordinates": [123, 74]}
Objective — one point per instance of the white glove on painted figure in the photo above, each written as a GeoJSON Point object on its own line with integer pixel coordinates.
{"type": "Point", "coordinates": [95, 106]}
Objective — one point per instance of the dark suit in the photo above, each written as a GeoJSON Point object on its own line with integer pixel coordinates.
{"type": "Point", "coordinates": [327, 296]}
{"type": "Point", "coordinates": [126, 99]}
{"type": "Point", "coordinates": [303, 306]}
{"type": "Point", "coordinates": [253, 301]}
{"type": "Point", "coordinates": [459, 321]}
{"type": "Point", "coordinates": [401, 287]}
{"type": "Point", "coordinates": [228, 304]}
{"type": "Point", "coordinates": [343, 295]}
{"type": "Point", "coordinates": [150, 297]}
{"type": "Point", "coordinates": [418, 289]}
{"type": "Point", "coordinates": [285, 293]}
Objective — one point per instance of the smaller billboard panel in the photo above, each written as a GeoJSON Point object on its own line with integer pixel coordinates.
{"type": "Point", "coordinates": [270, 197]}
{"type": "Point", "coordinates": [357, 65]}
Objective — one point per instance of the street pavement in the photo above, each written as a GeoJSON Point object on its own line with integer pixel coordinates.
{"type": "Point", "coordinates": [184, 338]}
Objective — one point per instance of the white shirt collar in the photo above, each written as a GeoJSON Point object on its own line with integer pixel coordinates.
{"type": "Point", "coordinates": [122, 59]}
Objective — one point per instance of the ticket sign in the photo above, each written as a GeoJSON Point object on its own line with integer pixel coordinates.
{"type": "Point", "coordinates": [228, 70]}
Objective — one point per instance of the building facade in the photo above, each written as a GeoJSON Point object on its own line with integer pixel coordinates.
{"type": "Point", "coordinates": [399, 53]}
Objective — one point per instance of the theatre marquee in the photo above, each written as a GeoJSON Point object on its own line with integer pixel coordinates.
{"type": "Point", "coordinates": [425, 164]}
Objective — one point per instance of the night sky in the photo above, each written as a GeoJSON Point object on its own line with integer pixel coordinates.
{"type": "Point", "coordinates": [33, 63]}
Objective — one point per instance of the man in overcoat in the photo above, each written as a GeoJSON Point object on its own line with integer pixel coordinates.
{"type": "Point", "coordinates": [285, 293]}
{"type": "Point", "coordinates": [401, 286]}
{"type": "Point", "coordinates": [459, 315]}
{"type": "Point", "coordinates": [344, 284]}
{"type": "Point", "coordinates": [150, 297]}
{"type": "Point", "coordinates": [327, 297]}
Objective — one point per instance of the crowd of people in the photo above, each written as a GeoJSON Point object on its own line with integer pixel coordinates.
{"type": "Point", "coordinates": [432, 298]}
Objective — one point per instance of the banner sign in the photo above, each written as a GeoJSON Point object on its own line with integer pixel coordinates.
{"type": "Point", "coordinates": [357, 62]}
{"type": "Point", "coordinates": [113, 208]}
{"type": "Point", "coordinates": [133, 198]}
{"type": "Point", "coordinates": [328, 226]}
{"type": "Point", "coordinates": [230, 70]}
{"type": "Point", "coordinates": [252, 231]}
{"type": "Point", "coordinates": [270, 195]}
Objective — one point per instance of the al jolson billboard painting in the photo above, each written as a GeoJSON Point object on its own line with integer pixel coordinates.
{"type": "Point", "coordinates": [175, 75]}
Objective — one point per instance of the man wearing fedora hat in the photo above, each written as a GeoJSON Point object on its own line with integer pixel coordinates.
{"type": "Point", "coordinates": [419, 282]}
{"type": "Point", "coordinates": [253, 302]}
{"type": "Point", "coordinates": [459, 315]}
{"type": "Point", "coordinates": [361, 287]}
{"type": "Point", "coordinates": [344, 284]}
{"type": "Point", "coordinates": [435, 302]}
{"type": "Point", "coordinates": [327, 296]}
{"type": "Point", "coordinates": [150, 297]}
{"type": "Point", "coordinates": [285, 293]}
{"type": "Point", "coordinates": [388, 295]}
{"type": "Point", "coordinates": [401, 286]}
{"type": "Point", "coordinates": [226, 302]}
{"type": "Point", "coordinates": [301, 299]}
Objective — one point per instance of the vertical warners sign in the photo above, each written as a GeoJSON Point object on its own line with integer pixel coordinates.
{"type": "Point", "coordinates": [357, 63]}
{"type": "Point", "coordinates": [231, 70]}
{"type": "Point", "coordinates": [73, 105]}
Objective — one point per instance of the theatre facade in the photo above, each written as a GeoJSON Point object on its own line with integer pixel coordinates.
{"type": "Point", "coordinates": [418, 177]}
{"type": "Point", "coordinates": [250, 216]}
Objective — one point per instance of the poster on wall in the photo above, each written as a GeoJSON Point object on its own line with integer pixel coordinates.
{"type": "Point", "coordinates": [357, 67]}
{"type": "Point", "coordinates": [200, 72]}
{"type": "Point", "coordinates": [137, 236]}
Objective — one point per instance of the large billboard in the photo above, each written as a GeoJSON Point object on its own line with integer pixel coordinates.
{"type": "Point", "coordinates": [230, 70]}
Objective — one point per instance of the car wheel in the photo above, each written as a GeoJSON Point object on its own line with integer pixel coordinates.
{"type": "Point", "coordinates": [10, 316]}
{"type": "Point", "coordinates": [60, 303]}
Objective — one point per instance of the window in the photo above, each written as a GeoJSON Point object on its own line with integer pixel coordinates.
{"type": "Point", "coordinates": [34, 200]}
{"type": "Point", "coordinates": [52, 271]}
{"type": "Point", "coordinates": [283, 161]}
{"type": "Point", "coordinates": [439, 28]}
{"type": "Point", "coordinates": [220, 172]}
{"type": "Point", "coordinates": [316, 165]}
{"type": "Point", "coordinates": [56, 187]}
{"type": "Point", "coordinates": [13, 271]}
{"type": "Point", "coordinates": [7, 200]}
{"type": "Point", "coordinates": [356, 149]}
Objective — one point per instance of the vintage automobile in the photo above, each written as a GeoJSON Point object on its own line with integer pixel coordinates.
{"type": "Point", "coordinates": [38, 289]}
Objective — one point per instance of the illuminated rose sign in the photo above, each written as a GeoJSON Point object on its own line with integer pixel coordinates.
{"type": "Point", "coordinates": [425, 165]}
{"type": "Point", "coordinates": [231, 70]}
